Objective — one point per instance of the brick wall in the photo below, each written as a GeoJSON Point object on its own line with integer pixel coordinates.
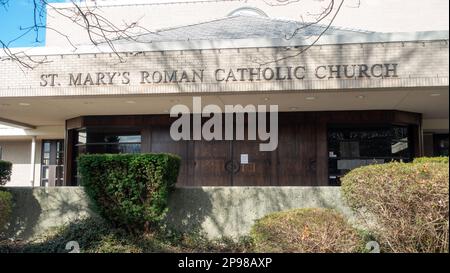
{"type": "Point", "coordinates": [418, 64]}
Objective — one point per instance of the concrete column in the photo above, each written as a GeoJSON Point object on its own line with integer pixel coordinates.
{"type": "Point", "coordinates": [33, 160]}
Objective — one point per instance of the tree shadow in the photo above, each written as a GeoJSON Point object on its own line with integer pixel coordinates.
{"type": "Point", "coordinates": [231, 211]}
{"type": "Point", "coordinates": [188, 209]}
{"type": "Point", "coordinates": [25, 214]}
{"type": "Point", "coordinates": [37, 211]}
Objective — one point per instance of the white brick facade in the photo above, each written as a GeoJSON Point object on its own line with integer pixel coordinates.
{"type": "Point", "coordinates": [418, 64]}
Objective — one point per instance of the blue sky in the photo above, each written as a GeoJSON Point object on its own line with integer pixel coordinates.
{"type": "Point", "coordinates": [17, 14]}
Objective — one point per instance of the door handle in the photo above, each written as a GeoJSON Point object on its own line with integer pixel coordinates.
{"type": "Point", "coordinates": [232, 166]}
{"type": "Point", "coordinates": [312, 165]}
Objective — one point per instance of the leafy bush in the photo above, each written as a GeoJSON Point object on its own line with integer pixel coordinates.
{"type": "Point", "coordinates": [91, 234]}
{"type": "Point", "coordinates": [130, 190]}
{"type": "Point", "coordinates": [5, 208]}
{"type": "Point", "coordinates": [305, 231]}
{"type": "Point", "coordinates": [440, 159]}
{"type": "Point", "coordinates": [5, 171]}
{"type": "Point", "coordinates": [409, 201]}
{"type": "Point", "coordinates": [95, 235]}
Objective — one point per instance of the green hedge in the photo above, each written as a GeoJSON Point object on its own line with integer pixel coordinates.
{"type": "Point", "coordinates": [441, 159]}
{"type": "Point", "coordinates": [129, 190]}
{"type": "Point", "coordinates": [311, 230]}
{"type": "Point", "coordinates": [5, 208]}
{"type": "Point", "coordinates": [5, 171]}
{"type": "Point", "coordinates": [410, 203]}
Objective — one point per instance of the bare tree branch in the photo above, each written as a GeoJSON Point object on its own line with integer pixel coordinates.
{"type": "Point", "coordinates": [327, 12]}
{"type": "Point", "coordinates": [101, 31]}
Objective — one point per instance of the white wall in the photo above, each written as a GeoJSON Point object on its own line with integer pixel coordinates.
{"type": "Point", "coordinates": [19, 153]}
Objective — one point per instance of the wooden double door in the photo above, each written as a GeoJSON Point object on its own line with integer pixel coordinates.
{"type": "Point", "coordinates": [230, 163]}
{"type": "Point", "coordinates": [240, 162]}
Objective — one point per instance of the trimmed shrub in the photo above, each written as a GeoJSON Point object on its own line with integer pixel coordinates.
{"type": "Point", "coordinates": [5, 171]}
{"type": "Point", "coordinates": [440, 159]}
{"type": "Point", "coordinates": [305, 231]}
{"type": "Point", "coordinates": [5, 208]}
{"type": "Point", "coordinates": [129, 190]}
{"type": "Point", "coordinates": [409, 201]}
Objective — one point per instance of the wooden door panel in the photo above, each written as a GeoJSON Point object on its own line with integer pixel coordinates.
{"type": "Point", "coordinates": [158, 140]}
{"type": "Point", "coordinates": [209, 159]}
{"type": "Point", "coordinates": [297, 155]}
{"type": "Point", "coordinates": [257, 171]}
{"type": "Point", "coordinates": [307, 151]}
{"type": "Point", "coordinates": [289, 165]}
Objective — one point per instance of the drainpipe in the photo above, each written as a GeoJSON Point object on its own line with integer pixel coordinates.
{"type": "Point", "coordinates": [33, 160]}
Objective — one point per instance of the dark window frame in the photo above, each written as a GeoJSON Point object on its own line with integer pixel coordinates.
{"type": "Point", "coordinates": [334, 174]}
{"type": "Point", "coordinates": [119, 131]}
{"type": "Point", "coordinates": [53, 161]}
{"type": "Point", "coordinates": [437, 151]}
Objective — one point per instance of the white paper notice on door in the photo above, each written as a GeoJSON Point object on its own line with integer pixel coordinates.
{"type": "Point", "coordinates": [244, 158]}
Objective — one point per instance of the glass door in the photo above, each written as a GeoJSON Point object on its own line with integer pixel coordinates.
{"type": "Point", "coordinates": [52, 163]}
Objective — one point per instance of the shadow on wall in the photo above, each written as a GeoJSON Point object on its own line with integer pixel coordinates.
{"type": "Point", "coordinates": [231, 211]}
{"type": "Point", "coordinates": [39, 210]}
{"type": "Point", "coordinates": [213, 211]}
{"type": "Point", "coordinates": [188, 209]}
{"type": "Point", "coordinates": [25, 215]}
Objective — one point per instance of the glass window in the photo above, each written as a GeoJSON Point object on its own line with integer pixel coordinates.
{"type": "Point", "coordinates": [44, 173]}
{"type": "Point", "coordinates": [349, 148]}
{"type": "Point", "coordinates": [81, 137]}
{"type": "Point", "coordinates": [47, 147]}
{"type": "Point", "coordinates": [106, 141]}
{"type": "Point", "coordinates": [440, 144]}
{"type": "Point", "coordinates": [52, 162]}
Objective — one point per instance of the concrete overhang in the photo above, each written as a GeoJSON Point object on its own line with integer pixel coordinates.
{"type": "Point", "coordinates": [431, 102]}
{"type": "Point", "coordinates": [16, 124]}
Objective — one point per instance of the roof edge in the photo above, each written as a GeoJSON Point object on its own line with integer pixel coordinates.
{"type": "Point", "coordinates": [377, 37]}
{"type": "Point", "coordinates": [112, 3]}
